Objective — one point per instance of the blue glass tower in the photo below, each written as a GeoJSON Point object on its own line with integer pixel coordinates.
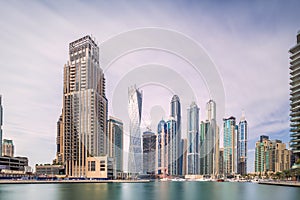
{"type": "Point", "coordinates": [193, 154]}
{"type": "Point", "coordinates": [242, 147]}
{"type": "Point", "coordinates": [229, 128]}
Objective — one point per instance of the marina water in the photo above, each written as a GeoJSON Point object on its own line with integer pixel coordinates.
{"type": "Point", "coordinates": [148, 191]}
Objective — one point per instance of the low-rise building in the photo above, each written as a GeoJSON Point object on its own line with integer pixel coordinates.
{"type": "Point", "coordinates": [101, 167]}
{"type": "Point", "coordinates": [49, 170]}
{"type": "Point", "coordinates": [13, 163]}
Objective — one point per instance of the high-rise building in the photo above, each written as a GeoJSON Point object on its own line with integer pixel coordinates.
{"type": "Point", "coordinates": [1, 121]}
{"type": "Point", "coordinates": [59, 141]}
{"type": "Point", "coordinates": [206, 162]}
{"type": "Point", "coordinates": [242, 134]}
{"type": "Point", "coordinates": [115, 142]}
{"type": "Point", "coordinates": [262, 155]}
{"type": "Point", "coordinates": [221, 161]}
{"type": "Point", "coordinates": [229, 128]}
{"type": "Point", "coordinates": [271, 156]}
{"type": "Point", "coordinates": [176, 115]}
{"type": "Point", "coordinates": [135, 146]}
{"type": "Point", "coordinates": [295, 98]}
{"type": "Point", "coordinates": [173, 145]}
{"type": "Point", "coordinates": [209, 142]}
{"type": "Point", "coordinates": [193, 153]}
{"type": "Point", "coordinates": [8, 148]}
{"type": "Point", "coordinates": [162, 149]}
{"type": "Point", "coordinates": [184, 155]}
{"type": "Point", "coordinates": [149, 152]}
{"type": "Point", "coordinates": [84, 115]}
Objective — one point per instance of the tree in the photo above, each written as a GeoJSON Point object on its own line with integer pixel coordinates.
{"type": "Point", "coordinates": [278, 175]}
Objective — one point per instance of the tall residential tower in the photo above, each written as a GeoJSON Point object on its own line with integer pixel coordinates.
{"type": "Point", "coordinates": [229, 128]}
{"type": "Point", "coordinates": [149, 152]}
{"type": "Point", "coordinates": [295, 98]}
{"type": "Point", "coordinates": [176, 115]}
{"type": "Point", "coordinates": [193, 153]}
{"type": "Point", "coordinates": [135, 144]}
{"type": "Point", "coordinates": [242, 135]}
{"type": "Point", "coordinates": [209, 142]}
{"type": "Point", "coordinates": [115, 142]}
{"type": "Point", "coordinates": [84, 114]}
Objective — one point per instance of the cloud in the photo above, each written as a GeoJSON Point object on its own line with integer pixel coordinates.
{"type": "Point", "coordinates": [248, 42]}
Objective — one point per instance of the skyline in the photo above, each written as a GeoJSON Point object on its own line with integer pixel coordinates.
{"type": "Point", "coordinates": [33, 55]}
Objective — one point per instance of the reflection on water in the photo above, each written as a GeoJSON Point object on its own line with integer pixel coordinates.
{"type": "Point", "coordinates": [148, 191]}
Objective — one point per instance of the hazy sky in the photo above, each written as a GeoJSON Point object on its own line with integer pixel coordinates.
{"type": "Point", "coordinates": [247, 41]}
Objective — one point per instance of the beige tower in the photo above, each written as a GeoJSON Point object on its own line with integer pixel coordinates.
{"type": "Point", "coordinates": [7, 148]}
{"type": "Point", "coordinates": [84, 114]}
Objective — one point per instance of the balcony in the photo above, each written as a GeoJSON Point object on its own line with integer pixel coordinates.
{"type": "Point", "coordinates": [296, 134]}
{"type": "Point", "coordinates": [295, 144]}
{"type": "Point", "coordinates": [294, 88]}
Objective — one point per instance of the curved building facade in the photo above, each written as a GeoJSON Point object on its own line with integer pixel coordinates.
{"type": "Point", "coordinates": [135, 114]}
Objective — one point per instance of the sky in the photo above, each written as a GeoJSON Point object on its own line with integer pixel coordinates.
{"type": "Point", "coordinates": [247, 42]}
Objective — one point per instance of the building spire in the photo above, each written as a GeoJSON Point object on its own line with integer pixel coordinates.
{"type": "Point", "coordinates": [243, 118]}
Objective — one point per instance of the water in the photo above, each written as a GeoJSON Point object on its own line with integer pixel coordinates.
{"type": "Point", "coordinates": [148, 191]}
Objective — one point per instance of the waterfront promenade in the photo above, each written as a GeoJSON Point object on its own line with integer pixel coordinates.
{"type": "Point", "coordinates": [281, 183]}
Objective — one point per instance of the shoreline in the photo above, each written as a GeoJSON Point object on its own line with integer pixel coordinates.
{"type": "Point", "coordinates": [69, 181]}
{"type": "Point", "coordinates": [281, 183]}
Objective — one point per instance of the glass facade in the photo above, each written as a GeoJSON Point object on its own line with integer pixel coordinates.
{"type": "Point", "coordinates": [176, 115]}
{"type": "Point", "coordinates": [149, 152]}
{"type": "Point", "coordinates": [173, 148]}
{"type": "Point", "coordinates": [193, 152]}
{"type": "Point", "coordinates": [162, 148]}
{"type": "Point", "coordinates": [115, 142]}
{"type": "Point", "coordinates": [229, 128]}
{"type": "Point", "coordinates": [135, 114]}
{"type": "Point", "coordinates": [242, 147]}
{"type": "Point", "coordinates": [209, 142]}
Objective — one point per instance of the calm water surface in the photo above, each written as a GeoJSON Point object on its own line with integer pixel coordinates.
{"type": "Point", "coordinates": [149, 191]}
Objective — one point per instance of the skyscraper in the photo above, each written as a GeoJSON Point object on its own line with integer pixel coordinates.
{"type": "Point", "coordinates": [173, 145]}
{"type": "Point", "coordinates": [184, 155]}
{"type": "Point", "coordinates": [8, 148]}
{"type": "Point", "coordinates": [209, 142]}
{"type": "Point", "coordinates": [221, 161]}
{"type": "Point", "coordinates": [149, 152]}
{"type": "Point", "coordinates": [84, 114]}
{"type": "Point", "coordinates": [229, 128]}
{"type": "Point", "coordinates": [193, 155]}
{"type": "Point", "coordinates": [206, 162]}
{"type": "Point", "coordinates": [242, 135]}
{"type": "Point", "coordinates": [261, 163]}
{"type": "Point", "coordinates": [1, 122]}
{"type": "Point", "coordinates": [115, 142]}
{"type": "Point", "coordinates": [162, 148]}
{"type": "Point", "coordinates": [176, 114]}
{"type": "Point", "coordinates": [135, 145]}
{"type": "Point", "coordinates": [295, 98]}
{"type": "Point", "coordinates": [59, 141]}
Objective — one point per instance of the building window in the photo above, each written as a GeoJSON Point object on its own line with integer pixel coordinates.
{"type": "Point", "coordinates": [93, 166]}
